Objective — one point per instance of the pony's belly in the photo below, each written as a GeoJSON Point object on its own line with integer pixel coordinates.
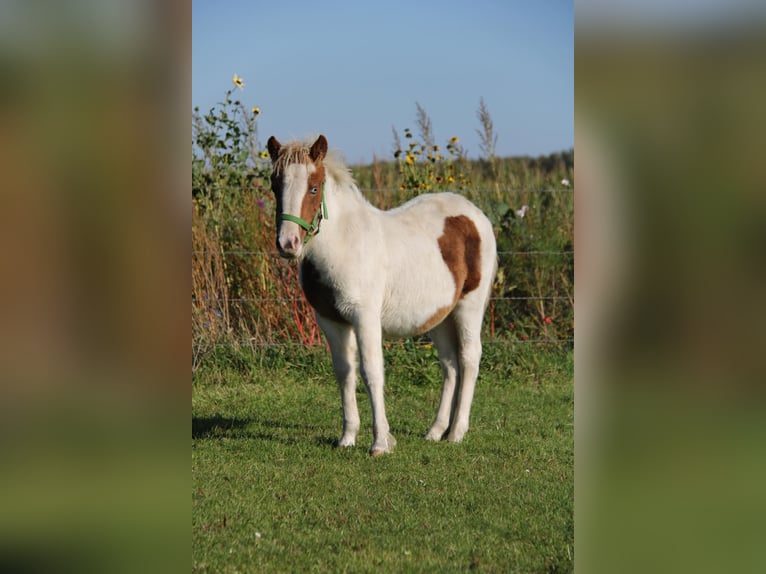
{"type": "Point", "coordinates": [406, 321]}
{"type": "Point", "coordinates": [419, 298]}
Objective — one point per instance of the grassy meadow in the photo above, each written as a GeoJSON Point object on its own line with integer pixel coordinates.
{"type": "Point", "coordinates": [270, 492]}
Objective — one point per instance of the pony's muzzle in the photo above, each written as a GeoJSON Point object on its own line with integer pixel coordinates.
{"type": "Point", "coordinates": [289, 243]}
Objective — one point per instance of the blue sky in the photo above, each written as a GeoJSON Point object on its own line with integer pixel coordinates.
{"type": "Point", "coordinates": [352, 70]}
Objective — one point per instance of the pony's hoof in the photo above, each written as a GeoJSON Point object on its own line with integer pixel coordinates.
{"type": "Point", "coordinates": [455, 436]}
{"type": "Point", "coordinates": [345, 443]}
{"type": "Point", "coordinates": [379, 450]}
{"type": "Point", "coordinates": [435, 434]}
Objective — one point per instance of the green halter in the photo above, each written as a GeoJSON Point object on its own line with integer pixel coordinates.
{"type": "Point", "coordinates": [311, 228]}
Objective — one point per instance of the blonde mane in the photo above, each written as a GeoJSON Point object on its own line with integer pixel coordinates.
{"type": "Point", "coordinates": [297, 151]}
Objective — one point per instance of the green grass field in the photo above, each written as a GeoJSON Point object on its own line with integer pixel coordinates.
{"type": "Point", "coordinates": [271, 493]}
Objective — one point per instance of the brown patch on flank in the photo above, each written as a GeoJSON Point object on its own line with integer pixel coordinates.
{"type": "Point", "coordinates": [320, 295]}
{"type": "Point", "coordinates": [460, 246]}
{"type": "Point", "coordinates": [435, 319]}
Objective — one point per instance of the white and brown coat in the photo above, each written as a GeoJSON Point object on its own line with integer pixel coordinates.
{"type": "Point", "coordinates": [425, 266]}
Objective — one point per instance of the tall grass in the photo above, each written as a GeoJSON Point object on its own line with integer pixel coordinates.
{"type": "Point", "coordinates": [487, 135]}
{"type": "Point", "coordinates": [242, 294]}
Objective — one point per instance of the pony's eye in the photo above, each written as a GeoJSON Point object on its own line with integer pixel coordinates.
{"type": "Point", "coordinates": [313, 190]}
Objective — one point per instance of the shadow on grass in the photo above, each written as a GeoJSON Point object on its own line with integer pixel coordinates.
{"type": "Point", "coordinates": [211, 427]}
{"type": "Point", "coordinates": [215, 427]}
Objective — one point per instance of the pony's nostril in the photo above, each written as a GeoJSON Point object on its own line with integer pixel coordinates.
{"type": "Point", "coordinates": [290, 244]}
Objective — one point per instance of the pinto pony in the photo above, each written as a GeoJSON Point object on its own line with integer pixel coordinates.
{"type": "Point", "coordinates": [425, 266]}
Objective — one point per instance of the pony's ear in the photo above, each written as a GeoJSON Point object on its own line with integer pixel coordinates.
{"type": "Point", "coordinates": [319, 149]}
{"type": "Point", "coordinates": [273, 146]}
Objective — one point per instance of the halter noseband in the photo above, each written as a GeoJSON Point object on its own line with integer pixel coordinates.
{"type": "Point", "coordinates": [311, 228]}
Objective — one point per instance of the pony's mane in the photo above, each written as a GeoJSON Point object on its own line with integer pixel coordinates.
{"type": "Point", "coordinates": [298, 152]}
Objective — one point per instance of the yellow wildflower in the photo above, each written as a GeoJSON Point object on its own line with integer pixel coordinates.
{"type": "Point", "coordinates": [239, 82]}
{"type": "Point", "coordinates": [454, 139]}
{"type": "Point", "coordinates": [410, 159]}
{"type": "Point", "coordinates": [256, 110]}
{"type": "Point", "coordinates": [264, 154]}
{"type": "Point", "coordinates": [451, 179]}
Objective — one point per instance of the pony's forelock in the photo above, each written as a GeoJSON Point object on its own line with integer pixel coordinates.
{"type": "Point", "coordinates": [297, 151]}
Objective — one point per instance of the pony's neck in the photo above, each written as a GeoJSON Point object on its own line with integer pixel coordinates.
{"type": "Point", "coordinates": [344, 200]}
{"type": "Point", "coordinates": [346, 207]}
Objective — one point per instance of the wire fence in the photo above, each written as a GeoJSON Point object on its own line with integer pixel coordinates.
{"type": "Point", "coordinates": [481, 191]}
{"type": "Point", "coordinates": [421, 343]}
{"type": "Point", "coordinates": [566, 299]}
{"type": "Point", "coordinates": [275, 253]}
{"type": "Point", "coordinates": [569, 298]}
{"type": "Point", "coordinates": [291, 299]}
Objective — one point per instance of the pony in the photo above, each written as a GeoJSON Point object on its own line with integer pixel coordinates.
{"type": "Point", "coordinates": [426, 266]}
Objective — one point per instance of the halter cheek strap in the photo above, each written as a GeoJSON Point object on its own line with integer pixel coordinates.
{"type": "Point", "coordinates": [311, 228]}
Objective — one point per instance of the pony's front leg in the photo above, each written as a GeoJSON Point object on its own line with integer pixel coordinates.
{"type": "Point", "coordinates": [344, 356]}
{"type": "Point", "coordinates": [370, 340]}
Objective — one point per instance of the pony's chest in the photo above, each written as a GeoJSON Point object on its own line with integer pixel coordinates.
{"type": "Point", "coordinates": [320, 292]}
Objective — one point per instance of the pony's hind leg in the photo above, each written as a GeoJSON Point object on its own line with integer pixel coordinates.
{"type": "Point", "coordinates": [468, 326]}
{"type": "Point", "coordinates": [344, 353]}
{"type": "Point", "coordinates": [445, 340]}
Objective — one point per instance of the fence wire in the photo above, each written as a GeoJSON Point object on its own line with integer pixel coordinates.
{"type": "Point", "coordinates": [293, 299]}
{"type": "Point", "coordinates": [387, 344]}
{"type": "Point", "coordinates": [276, 253]}
{"type": "Point", "coordinates": [419, 343]}
{"type": "Point", "coordinates": [481, 191]}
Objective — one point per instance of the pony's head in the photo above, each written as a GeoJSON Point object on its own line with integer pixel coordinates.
{"type": "Point", "coordinates": [297, 180]}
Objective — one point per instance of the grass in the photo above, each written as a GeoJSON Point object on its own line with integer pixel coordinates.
{"type": "Point", "coordinates": [271, 493]}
